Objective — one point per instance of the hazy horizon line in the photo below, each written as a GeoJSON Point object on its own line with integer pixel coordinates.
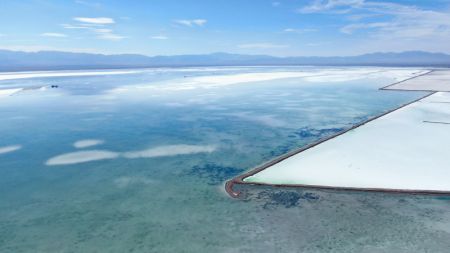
{"type": "Point", "coordinates": [220, 52]}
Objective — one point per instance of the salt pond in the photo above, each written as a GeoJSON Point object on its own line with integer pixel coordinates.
{"type": "Point", "coordinates": [404, 150]}
{"type": "Point", "coordinates": [166, 152]}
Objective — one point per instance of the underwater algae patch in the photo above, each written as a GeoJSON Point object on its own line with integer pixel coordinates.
{"type": "Point", "coordinates": [285, 198]}
{"type": "Point", "coordinates": [214, 173]}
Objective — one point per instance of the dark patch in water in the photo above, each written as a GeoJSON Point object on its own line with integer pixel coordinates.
{"type": "Point", "coordinates": [280, 150]}
{"type": "Point", "coordinates": [216, 174]}
{"type": "Point", "coordinates": [362, 119]}
{"type": "Point", "coordinates": [303, 133]}
{"type": "Point", "coordinates": [307, 132]}
{"type": "Point", "coordinates": [287, 199]}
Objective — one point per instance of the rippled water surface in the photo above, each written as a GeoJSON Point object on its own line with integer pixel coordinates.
{"type": "Point", "coordinates": [135, 162]}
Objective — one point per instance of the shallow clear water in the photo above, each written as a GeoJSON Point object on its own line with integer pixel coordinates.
{"type": "Point", "coordinates": [149, 196]}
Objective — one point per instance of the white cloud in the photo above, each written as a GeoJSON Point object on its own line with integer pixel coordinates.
{"type": "Point", "coordinates": [160, 37]}
{"type": "Point", "coordinates": [69, 26]}
{"type": "Point", "coordinates": [294, 30]}
{"type": "Point", "coordinates": [97, 26]}
{"type": "Point", "coordinates": [191, 22]}
{"type": "Point", "coordinates": [349, 29]}
{"type": "Point", "coordinates": [97, 21]}
{"type": "Point", "coordinates": [389, 26]}
{"type": "Point", "coordinates": [411, 22]}
{"type": "Point", "coordinates": [316, 44]}
{"type": "Point", "coordinates": [89, 4]}
{"type": "Point", "coordinates": [262, 45]}
{"type": "Point", "coordinates": [358, 17]}
{"type": "Point", "coordinates": [110, 36]}
{"type": "Point", "coordinates": [102, 30]}
{"type": "Point", "coordinates": [60, 35]}
{"type": "Point", "coordinates": [338, 6]}
{"type": "Point", "coordinates": [107, 34]}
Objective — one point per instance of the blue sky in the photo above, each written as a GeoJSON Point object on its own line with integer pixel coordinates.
{"type": "Point", "coordinates": [281, 28]}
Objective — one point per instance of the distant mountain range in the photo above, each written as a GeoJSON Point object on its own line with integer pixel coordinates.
{"type": "Point", "coordinates": [54, 60]}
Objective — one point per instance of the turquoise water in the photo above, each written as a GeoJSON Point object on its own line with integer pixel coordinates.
{"type": "Point", "coordinates": [148, 196]}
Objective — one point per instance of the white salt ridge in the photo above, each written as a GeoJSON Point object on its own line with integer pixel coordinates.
{"type": "Point", "coordinates": [87, 143]}
{"type": "Point", "coordinates": [396, 151]}
{"type": "Point", "coordinates": [169, 150]}
{"type": "Point", "coordinates": [9, 149]}
{"type": "Point", "coordinates": [8, 92]}
{"type": "Point", "coordinates": [96, 155]}
{"type": "Point", "coordinates": [82, 157]}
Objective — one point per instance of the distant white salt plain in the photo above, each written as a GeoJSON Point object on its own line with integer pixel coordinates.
{"type": "Point", "coordinates": [9, 149]}
{"type": "Point", "coordinates": [325, 75]}
{"type": "Point", "coordinates": [96, 155]}
{"type": "Point", "coordinates": [312, 76]}
{"type": "Point", "coordinates": [40, 74]}
{"type": "Point", "coordinates": [407, 149]}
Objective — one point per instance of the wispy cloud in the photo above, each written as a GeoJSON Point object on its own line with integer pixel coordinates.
{"type": "Point", "coordinates": [349, 29]}
{"type": "Point", "coordinates": [69, 26]}
{"type": "Point", "coordinates": [317, 44]}
{"type": "Point", "coordinates": [37, 48]}
{"type": "Point", "coordinates": [88, 3]}
{"type": "Point", "coordinates": [102, 30]}
{"type": "Point", "coordinates": [58, 35]}
{"type": "Point", "coordinates": [276, 4]}
{"type": "Point", "coordinates": [263, 45]}
{"type": "Point", "coordinates": [295, 30]}
{"type": "Point", "coordinates": [191, 22]}
{"type": "Point", "coordinates": [406, 22]}
{"type": "Point", "coordinates": [99, 26]}
{"type": "Point", "coordinates": [337, 6]}
{"type": "Point", "coordinates": [98, 21]}
{"type": "Point", "coordinates": [160, 37]}
{"type": "Point", "coordinates": [389, 25]}
{"type": "Point", "coordinates": [358, 17]}
{"type": "Point", "coordinates": [110, 36]}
